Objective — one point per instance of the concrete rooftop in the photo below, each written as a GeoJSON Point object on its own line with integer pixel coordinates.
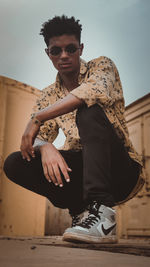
{"type": "Point", "coordinates": [53, 252]}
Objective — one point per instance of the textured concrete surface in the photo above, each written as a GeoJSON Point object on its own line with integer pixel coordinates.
{"type": "Point", "coordinates": [52, 252]}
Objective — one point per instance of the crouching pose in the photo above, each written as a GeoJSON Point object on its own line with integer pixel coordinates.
{"type": "Point", "coordinates": [97, 168]}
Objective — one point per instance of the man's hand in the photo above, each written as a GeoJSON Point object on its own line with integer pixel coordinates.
{"type": "Point", "coordinates": [53, 162]}
{"type": "Point", "coordinates": [27, 140]}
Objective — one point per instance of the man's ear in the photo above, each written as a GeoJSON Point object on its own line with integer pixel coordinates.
{"type": "Point", "coordinates": [46, 51]}
{"type": "Point", "coordinates": [81, 49]}
{"type": "Point", "coordinates": [49, 55]}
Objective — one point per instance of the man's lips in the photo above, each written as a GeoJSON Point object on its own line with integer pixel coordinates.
{"type": "Point", "coordinates": [65, 65]}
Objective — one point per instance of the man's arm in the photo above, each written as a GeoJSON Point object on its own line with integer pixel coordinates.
{"type": "Point", "coordinates": [62, 106]}
{"type": "Point", "coordinates": [52, 160]}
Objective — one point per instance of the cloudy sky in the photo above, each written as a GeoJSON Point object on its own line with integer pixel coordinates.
{"type": "Point", "coordinates": [118, 29]}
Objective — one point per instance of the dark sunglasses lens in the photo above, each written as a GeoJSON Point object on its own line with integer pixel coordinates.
{"type": "Point", "coordinates": [55, 51]}
{"type": "Point", "coordinates": [71, 49]}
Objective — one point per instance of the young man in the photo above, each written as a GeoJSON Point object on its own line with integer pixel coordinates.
{"type": "Point", "coordinates": [97, 168]}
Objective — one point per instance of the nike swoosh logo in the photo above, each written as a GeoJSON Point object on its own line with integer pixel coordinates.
{"type": "Point", "coordinates": [108, 230]}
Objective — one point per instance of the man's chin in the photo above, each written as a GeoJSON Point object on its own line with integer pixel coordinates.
{"type": "Point", "coordinates": [66, 71]}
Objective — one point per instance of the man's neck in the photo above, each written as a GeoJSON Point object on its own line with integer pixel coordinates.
{"type": "Point", "coordinates": [70, 81]}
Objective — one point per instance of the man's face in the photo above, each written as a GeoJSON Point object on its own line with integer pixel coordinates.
{"type": "Point", "coordinates": [65, 52]}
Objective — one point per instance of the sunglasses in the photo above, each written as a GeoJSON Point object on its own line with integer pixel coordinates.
{"type": "Point", "coordinates": [56, 50]}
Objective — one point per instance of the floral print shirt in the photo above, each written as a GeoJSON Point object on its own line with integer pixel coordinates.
{"type": "Point", "coordinates": [99, 83]}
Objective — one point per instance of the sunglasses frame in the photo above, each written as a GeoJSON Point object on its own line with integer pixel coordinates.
{"type": "Point", "coordinates": [49, 52]}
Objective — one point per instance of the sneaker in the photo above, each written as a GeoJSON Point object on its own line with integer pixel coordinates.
{"type": "Point", "coordinates": [98, 227]}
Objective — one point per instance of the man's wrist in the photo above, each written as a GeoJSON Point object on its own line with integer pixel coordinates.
{"type": "Point", "coordinates": [36, 120]}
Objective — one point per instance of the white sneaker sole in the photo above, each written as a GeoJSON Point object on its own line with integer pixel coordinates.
{"type": "Point", "coordinates": [70, 237]}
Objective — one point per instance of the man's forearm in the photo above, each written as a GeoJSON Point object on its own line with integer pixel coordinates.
{"type": "Point", "coordinates": [62, 106]}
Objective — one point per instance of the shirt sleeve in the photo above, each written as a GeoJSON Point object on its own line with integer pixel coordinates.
{"type": "Point", "coordinates": [50, 129]}
{"type": "Point", "coordinates": [102, 84]}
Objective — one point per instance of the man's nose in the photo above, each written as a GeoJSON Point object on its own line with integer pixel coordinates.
{"type": "Point", "coordinates": [64, 54]}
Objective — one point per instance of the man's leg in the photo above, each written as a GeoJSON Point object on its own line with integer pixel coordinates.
{"type": "Point", "coordinates": [30, 175]}
{"type": "Point", "coordinates": [106, 167]}
{"type": "Point", "coordinates": [95, 134]}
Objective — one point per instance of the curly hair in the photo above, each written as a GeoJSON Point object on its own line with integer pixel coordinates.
{"type": "Point", "coordinates": [59, 26]}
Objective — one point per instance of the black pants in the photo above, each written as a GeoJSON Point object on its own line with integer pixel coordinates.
{"type": "Point", "coordinates": [102, 171]}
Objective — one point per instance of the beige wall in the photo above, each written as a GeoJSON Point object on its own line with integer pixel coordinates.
{"type": "Point", "coordinates": [21, 211]}
{"type": "Point", "coordinates": [133, 216]}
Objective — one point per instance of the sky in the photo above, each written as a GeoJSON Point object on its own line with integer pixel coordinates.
{"type": "Point", "coordinates": [118, 29]}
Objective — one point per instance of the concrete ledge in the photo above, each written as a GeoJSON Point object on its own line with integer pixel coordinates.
{"type": "Point", "coordinates": [126, 246]}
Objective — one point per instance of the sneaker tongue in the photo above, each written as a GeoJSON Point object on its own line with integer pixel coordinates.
{"type": "Point", "coordinates": [95, 208]}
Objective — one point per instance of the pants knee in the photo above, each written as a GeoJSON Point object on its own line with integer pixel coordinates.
{"type": "Point", "coordinates": [87, 115]}
{"type": "Point", "coordinates": [10, 165]}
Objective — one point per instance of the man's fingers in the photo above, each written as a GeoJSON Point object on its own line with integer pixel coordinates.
{"type": "Point", "coordinates": [24, 153]}
{"type": "Point", "coordinates": [50, 174]}
{"type": "Point", "coordinates": [29, 146]}
{"type": "Point", "coordinates": [66, 165]}
{"type": "Point", "coordinates": [57, 175]}
{"type": "Point", "coordinates": [46, 172]}
{"type": "Point", "coordinates": [31, 151]}
{"type": "Point", "coordinates": [27, 149]}
{"type": "Point", "coordinates": [27, 156]}
{"type": "Point", "coordinates": [64, 171]}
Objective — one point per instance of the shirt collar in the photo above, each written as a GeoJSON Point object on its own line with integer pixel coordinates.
{"type": "Point", "coordinates": [83, 66]}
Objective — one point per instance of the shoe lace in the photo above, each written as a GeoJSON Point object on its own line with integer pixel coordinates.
{"type": "Point", "coordinates": [75, 220]}
{"type": "Point", "coordinates": [92, 218]}
{"type": "Point", "coordinates": [89, 221]}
